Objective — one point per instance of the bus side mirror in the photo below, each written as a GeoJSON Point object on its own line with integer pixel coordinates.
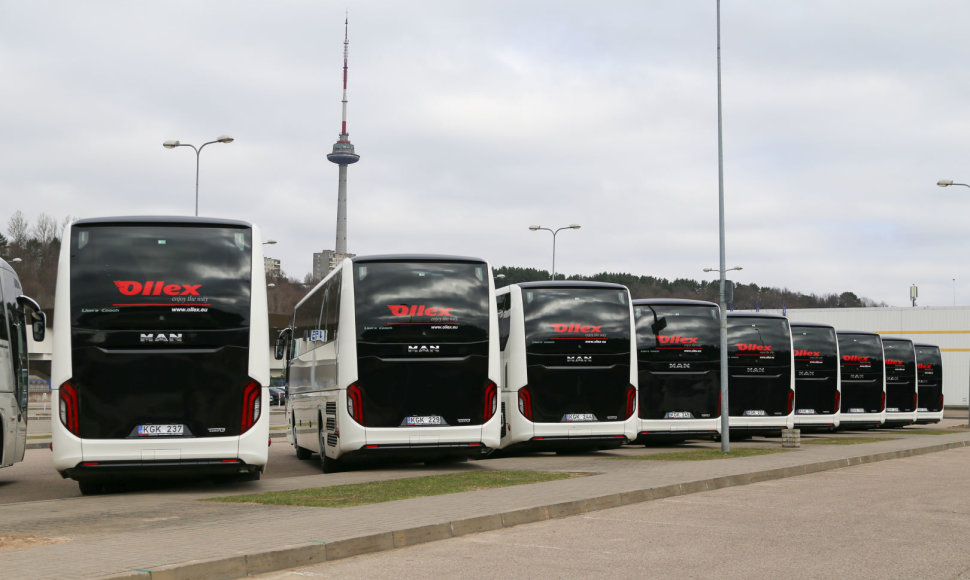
{"type": "Point", "coordinates": [281, 342]}
{"type": "Point", "coordinates": [38, 320]}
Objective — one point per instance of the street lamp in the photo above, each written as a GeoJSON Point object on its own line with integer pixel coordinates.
{"type": "Point", "coordinates": [554, 232]}
{"type": "Point", "coordinates": [949, 182]}
{"type": "Point", "coordinates": [172, 144]}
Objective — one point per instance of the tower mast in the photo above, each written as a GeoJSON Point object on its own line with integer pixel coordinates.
{"type": "Point", "coordinates": [343, 155]}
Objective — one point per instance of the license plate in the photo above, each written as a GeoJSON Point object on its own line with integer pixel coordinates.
{"type": "Point", "coordinates": [160, 430]}
{"type": "Point", "coordinates": [755, 413]}
{"type": "Point", "coordinates": [922, 410]}
{"type": "Point", "coordinates": [420, 421]}
{"type": "Point", "coordinates": [805, 412]}
{"type": "Point", "coordinates": [578, 417]}
{"type": "Point", "coordinates": [892, 409]}
{"type": "Point", "coordinates": [679, 415]}
{"type": "Point", "coordinates": [857, 410]}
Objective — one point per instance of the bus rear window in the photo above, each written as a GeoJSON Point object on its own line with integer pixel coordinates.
{"type": "Point", "coordinates": [759, 341]}
{"type": "Point", "coordinates": [421, 301]}
{"type": "Point", "coordinates": [576, 320]}
{"type": "Point", "coordinates": [678, 332]}
{"type": "Point", "coordinates": [138, 277]}
{"type": "Point", "coordinates": [815, 348]}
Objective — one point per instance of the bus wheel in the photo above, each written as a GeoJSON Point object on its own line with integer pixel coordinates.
{"type": "Point", "coordinates": [302, 453]}
{"type": "Point", "coordinates": [88, 487]}
{"type": "Point", "coordinates": [328, 464]}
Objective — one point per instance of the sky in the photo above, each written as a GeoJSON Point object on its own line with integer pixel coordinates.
{"type": "Point", "coordinates": [475, 120]}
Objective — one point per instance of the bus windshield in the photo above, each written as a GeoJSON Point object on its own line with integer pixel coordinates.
{"type": "Point", "coordinates": [421, 301]}
{"type": "Point", "coordinates": [758, 341]}
{"type": "Point", "coordinates": [576, 320]}
{"type": "Point", "coordinates": [160, 277]}
{"type": "Point", "coordinates": [815, 348]}
{"type": "Point", "coordinates": [861, 355]}
{"type": "Point", "coordinates": [668, 333]}
{"type": "Point", "coordinates": [900, 360]}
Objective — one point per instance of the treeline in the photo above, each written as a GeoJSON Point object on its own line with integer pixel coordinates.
{"type": "Point", "coordinates": [746, 296]}
{"type": "Point", "coordinates": [32, 251]}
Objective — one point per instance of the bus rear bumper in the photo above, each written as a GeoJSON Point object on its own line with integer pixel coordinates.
{"type": "Point", "coordinates": [105, 470]}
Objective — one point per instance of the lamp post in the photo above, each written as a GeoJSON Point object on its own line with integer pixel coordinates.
{"type": "Point", "coordinates": [554, 232]}
{"type": "Point", "coordinates": [947, 183]}
{"type": "Point", "coordinates": [198, 151]}
{"type": "Point", "coordinates": [722, 304]}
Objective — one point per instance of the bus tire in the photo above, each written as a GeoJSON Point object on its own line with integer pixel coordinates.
{"type": "Point", "coordinates": [302, 453]}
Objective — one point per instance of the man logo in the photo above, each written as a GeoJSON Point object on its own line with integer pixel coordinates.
{"type": "Point", "coordinates": [424, 349]}
{"type": "Point", "coordinates": [161, 337]}
{"type": "Point", "coordinates": [580, 359]}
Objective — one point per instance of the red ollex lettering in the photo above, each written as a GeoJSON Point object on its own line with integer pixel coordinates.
{"type": "Point", "coordinates": [677, 339]}
{"type": "Point", "coordinates": [128, 288]}
{"type": "Point", "coordinates": [755, 347]}
{"type": "Point", "coordinates": [156, 288]}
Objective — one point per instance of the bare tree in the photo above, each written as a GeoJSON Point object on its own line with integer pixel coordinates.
{"type": "Point", "coordinates": [46, 229]}
{"type": "Point", "coordinates": [18, 228]}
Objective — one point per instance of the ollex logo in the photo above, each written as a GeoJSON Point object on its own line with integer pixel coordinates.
{"type": "Point", "coordinates": [156, 288]}
{"type": "Point", "coordinates": [161, 337]}
{"type": "Point", "coordinates": [854, 358]}
{"type": "Point", "coordinates": [579, 359]}
{"type": "Point", "coordinates": [802, 352]}
{"type": "Point", "coordinates": [894, 362]}
{"type": "Point", "coordinates": [576, 327]}
{"type": "Point", "coordinates": [425, 348]}
{"type": "Point", "coordinates": [418, 310]}
{"type": "Point", "coordinates": [756, 347]}
{"type": "Point", "coordinates": [924, 366]}
{"type": "Point", "coordinates": [677, 339]}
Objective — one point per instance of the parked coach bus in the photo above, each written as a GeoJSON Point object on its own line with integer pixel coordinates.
{"type": "Point", "coordinates": [761, 381]}
{"type": "Point", "coordinates": [929, 366]}
{"type": "Point", "coordinates": [568, 350]}
{"type": "Point", "coordinates": [160, 360]}
{"type": "Point", "coordinates": [901, 381]}
{"type": "Point", "coordinates": [817, 385]}
{"type": "Point", "coordinates": [14, 321]}
{"type": "Point", "coordinates": [394, 356]}
{"type": "Point", "coordinates": [863, 379]}
{"type": "Point", "coordinates": [679, 357]}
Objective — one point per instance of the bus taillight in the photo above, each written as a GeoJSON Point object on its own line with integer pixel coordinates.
{"type": "Point", "coordinates": [355, 403]}
{"type": "Point", "coordinates": [525, 403]}
{"type": "Point", "coordinates": [838, 401]}
{"type": "Point", "coordinates": [631, 401]}
{"type": "Point", "coordinates": [67, 406]}
{"type": "Point", "coordinates": [252, 405]}
{"type": "Point", "coordinates": [915, 400]}
{"type": "Point", "coordinates": [882, 404]}
{"type": "Point", "coordinates": [491, 401]}
{"type": "Point", "coordinates": [941, 402]}
{"type": "Point", "coordinates": [791, 401]}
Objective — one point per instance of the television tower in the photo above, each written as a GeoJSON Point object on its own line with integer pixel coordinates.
{"type": "Point", "coordinates": [343, 155]}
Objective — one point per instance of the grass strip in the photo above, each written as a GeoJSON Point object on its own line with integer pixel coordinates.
{"type": "Point", "coordinates": [702, 454]}
{"type": "Point", "coordinates": [925, 432]}
{"type": "Point", "coordinates": [845, 440]}
{"type": "Point", "coordinates": [338, 496]}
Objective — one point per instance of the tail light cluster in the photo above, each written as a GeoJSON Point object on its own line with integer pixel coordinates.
{"type": "Point", "coordinates": [791, 401]}
{"type": "Point", "coordinates": [631, 401]}
{"type": "Point", "coordinates": [491, 401]}
{"type": "Point", "coordinates": [915, 401]}
{"type": "Point", "coordinates": [67, 408]}
{"type": "Point", "coordinates": [941, 402]}
{"type": "Point", "coordinates": [355, 403]}
{"type": "Point", "coordinates": [252, 405]}
{"type": "Point", "coordinates": [882, 404]}
{"type": "Point", "coordinates": [525, 402]}
{"type": "Point", "coordinates": [838, 401]}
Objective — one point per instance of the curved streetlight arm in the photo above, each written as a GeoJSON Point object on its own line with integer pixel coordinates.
{"type": "Point", "coordinates": [554, 232]}
{"type": "Point", "coordinates": [949, 182]}
{"type": "Point", "coordinates": [198, 152]}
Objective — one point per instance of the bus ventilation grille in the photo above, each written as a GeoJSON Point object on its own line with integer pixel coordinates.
{"type": "Point", "coordinates": [331, 439]}
{"type": "Point", "coordinates": [331, 424]}
{"type": "Point", "coordinates": [331, 407]}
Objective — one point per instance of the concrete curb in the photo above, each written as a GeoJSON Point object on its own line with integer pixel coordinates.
{"type": "Point", "coordinates": [239, 566]}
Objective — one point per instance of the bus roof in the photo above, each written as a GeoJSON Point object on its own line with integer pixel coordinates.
{"type": "Point", "coordinates": [926, 345]}
{"type": "Point", "coordinates": [672, 302]}
{"type": "Point", "coordinates": [898, 338]}
{"type": "Point", "coordinates": [812, 324]}
{"type": "Point", "coordinates": [735, 314]}
{"type": "Point", "coordinates": [414, 258]}
{"type": "Point", "coordinates": [856, 332]}
{"type": "Point", "coordinates": [571, 284]}
{"type": "Point", "coordinates": [161, 219]}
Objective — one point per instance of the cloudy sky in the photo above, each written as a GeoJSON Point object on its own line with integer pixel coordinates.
{"type": "Point", "coordinates": [474, 120]}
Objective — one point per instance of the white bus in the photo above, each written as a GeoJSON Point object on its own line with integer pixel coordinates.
{"type": "Point", "coordinates": [761, 378]}
{"type": "Point", "coordinates": [13, 362]}
{"type": "Point", "coordinates": [929, 366]}
{"type": "Point", "coordinates": [817, 378]}
{"type": "Point", "coordinates": [569, 354]}
{"type": "Point", "coordinates": [160, 359]}
{"type": "Point", "coordinates": [394, 356]}
{"type": "Point", "coordinates": [679, 352]}
{"type": "Point", "coordinates": [863, 379]}
{"type": "Point", "coordinates": [901, 381]}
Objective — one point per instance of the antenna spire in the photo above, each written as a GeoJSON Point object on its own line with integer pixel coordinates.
{"type": "Point", "coordinates": [343, 155]}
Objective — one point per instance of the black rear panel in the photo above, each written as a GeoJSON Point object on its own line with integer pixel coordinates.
{"type": "Point", "coordinates": [759, 363]}
{"type": "Point", "coordinates": [900, 375]}
{"type": "Point", "coordinates": [930, 368]}
{"type": "Point", "coordinates": [160, 326]}
{"type": "Point", "coordinates": [578, 347]}
{"type": "Point", "coordinates": [862, 373]}
{"type": "Point", "coordinates": [678, 354]}
{"type": "Point", "coordinates": [422, 342]}
{"type": "Point", "coordinates": [816, 370]}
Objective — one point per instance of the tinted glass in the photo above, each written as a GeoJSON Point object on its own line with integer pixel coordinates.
{"type": "Point", "coordinates": [861, 355]}
{"type": "Point", "coordinates": [815, 348]}
{"type": "Point", "coordinates": [900, 360]}
{"type": "Point", "coordinates": [160, 277]}
{"type": "Point", "coordinates": [758, 341]}
{"type": "Point", "coordinates": [576, 320]}
{"type": "Point", "coordinates": [930, 365]}
{"type": "Point", "coordinates": [677, 332]}
{"type": "Point", "coordinates": [421, 301]}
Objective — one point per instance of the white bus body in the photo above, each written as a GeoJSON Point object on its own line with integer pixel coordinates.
{"type": "Point", "coordinates": [394, 356]}
{"type": "Point", "coordinates": [901, 381]}
{"type": "Point", "coordinates": [818, 391]}
{"type": "Point", "coordinates": [160, 365]}
{"type": "Point", "coordinates": [761, 382]}
{"type": "Point", "coordinates": [13, 363]}
{"type": "Point", "coordinates": [929, 364]}
{"type": "Point", "coordinates": [863, 379]}
{"type": "Point", "coordinates": [569, 355]}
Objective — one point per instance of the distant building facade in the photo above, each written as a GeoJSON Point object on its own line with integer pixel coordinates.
{"type": "Point", "coordinates": [325, 261]}
{"type": "Point", "coordinates": [272, 268]}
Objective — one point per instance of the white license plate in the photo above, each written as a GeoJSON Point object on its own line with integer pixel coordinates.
{"type": "Point", "coordinates": [805, 412]}
{"type": "Point", "coordinates": [425, 420]}
{"type": "Point", "coordinates": [857, 410]}
{"type": "Point", "coordinates": [923, 410]}
{"type": "Point", "coordinates": [578, 417]}
{"type": "Point", "coordinates": [160, 430]}
{"type": "Point", "coordinates": [679, 415]}
{"type": "Point", "coordinates": [755, 413]}
{"type": "Point", "coordinates": [892, 409]}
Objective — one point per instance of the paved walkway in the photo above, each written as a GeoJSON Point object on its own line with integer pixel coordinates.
{"type": "Point", "coordinates": [170, 533]}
